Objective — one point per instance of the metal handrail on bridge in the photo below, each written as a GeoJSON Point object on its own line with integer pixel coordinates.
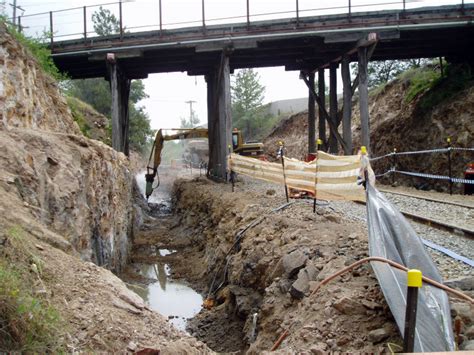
{"type": "Point", "coordinates": [297, 11]}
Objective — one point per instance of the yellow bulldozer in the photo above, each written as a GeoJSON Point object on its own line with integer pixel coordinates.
{"type": "Point", "coordinates": [238, 147]}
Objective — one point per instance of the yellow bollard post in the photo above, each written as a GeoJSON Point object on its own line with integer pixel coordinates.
{"type": "Point", "coordinates": [414, 282]}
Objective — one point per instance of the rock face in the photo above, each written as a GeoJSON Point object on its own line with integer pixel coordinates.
{"type": "Point", "coordinates": [28, 97]}
{"type": "Point", "coordinates": [77, 187]}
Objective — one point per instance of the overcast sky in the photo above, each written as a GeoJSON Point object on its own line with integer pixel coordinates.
{"type": "Point", "coordinates": [169, 92]}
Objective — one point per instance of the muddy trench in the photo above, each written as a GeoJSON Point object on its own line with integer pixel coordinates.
{"type": "Point", "coordinates": [253, 260]}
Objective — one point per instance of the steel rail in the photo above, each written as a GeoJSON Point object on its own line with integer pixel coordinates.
{"type": "Point", "coordinates": [387, 191]}
{"type": "Point", "coordinates": [467, 232]}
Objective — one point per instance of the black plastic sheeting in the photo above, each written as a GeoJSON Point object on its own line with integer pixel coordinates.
{"type": "Point", "coordinates": [392, 237]}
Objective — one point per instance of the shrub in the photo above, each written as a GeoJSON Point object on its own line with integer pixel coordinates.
{"type": "Point", "coordinates": [27, 323]}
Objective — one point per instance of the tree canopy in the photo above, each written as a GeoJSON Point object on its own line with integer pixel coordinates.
{"type": "Point", "coordinates": [105, 22]}
{"type": "Point", "coordinates": [96, 92]}
{"type": "Point", "coordinates": [248, 113]}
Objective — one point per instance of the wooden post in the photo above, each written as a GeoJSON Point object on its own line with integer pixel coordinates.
{"type": "Point", "coordinates": [322, 99]}
{"type": "Point", "coordinates": [224, 116]}
{"type": "Point", "coordinates": [414, 282]}
{"type": "Point", "coordinates": [450, 170]}
{"type": "Point", "coordinates": [333, 148]}
{"type": "Point", "coordinates": [120, 91]}
{"type": "Point", "coordinates": [347, 108]}
{"type": "Point", "coordinates": [219, 118]}
{"type": "Point", "coordinates": [211, 87]}
{"type": "Point", "coordinates": [364, 97]}
{"type": "Point", "coordinates": [311, 117]}
{"type": "Point", "coordinates": [332, 127]}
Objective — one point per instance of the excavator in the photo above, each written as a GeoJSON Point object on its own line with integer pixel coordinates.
{"type": "Point", "coordinates": [238, 147]}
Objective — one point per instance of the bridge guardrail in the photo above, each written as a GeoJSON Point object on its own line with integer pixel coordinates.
{"type": "Point", "coordinates": [76, 22]}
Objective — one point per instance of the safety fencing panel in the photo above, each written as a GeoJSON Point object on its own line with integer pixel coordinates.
{"type": "Point", "coordinates": [329, 177]}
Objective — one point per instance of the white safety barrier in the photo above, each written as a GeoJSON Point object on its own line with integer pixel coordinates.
{"type": "Point", "coordinates": [329, 177]}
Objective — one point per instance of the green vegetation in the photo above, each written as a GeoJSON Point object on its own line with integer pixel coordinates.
{"type": "Point", "coordinates": [433, 87]}
{"type": "Point", "coordinates": [96, 92]}
{"type": "Point", "coordinates": [75, 106]}
{"type": "Point", "coordinates": [421, 80]}
{"type": "Point", "coordinates": [27, 323]}
{"type": "Point", "coordinates": [248, 113]}
{"type": "Point", "coordinates": [39, 50]}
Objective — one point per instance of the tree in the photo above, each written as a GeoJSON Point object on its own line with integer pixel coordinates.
{"type": "Point", "coordinates": [247, 99]}
{"type": "Point", "coordinates": [383, 71]}
{"type": "Point", "coordinates": [105, 22]}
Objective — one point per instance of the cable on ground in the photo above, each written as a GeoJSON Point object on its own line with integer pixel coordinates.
{"type": "Point", "coordinates": [360, 262]}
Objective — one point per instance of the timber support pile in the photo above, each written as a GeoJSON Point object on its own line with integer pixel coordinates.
{"type": "Point", "coordinates": [219, 117]}
{"type": "Point", "coordinates": [120, 90]}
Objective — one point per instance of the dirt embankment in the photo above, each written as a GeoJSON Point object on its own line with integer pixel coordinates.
{"type": "Point", "coordinates": [293, 132]}
{"type": "Point", "coordinates": [406, 126]}
{"type": "Point", "coordinates": [262, 286]}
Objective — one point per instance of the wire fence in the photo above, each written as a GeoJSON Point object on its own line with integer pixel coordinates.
{"type": "Point", "coordinates": [393, 170]}
{"type": "Point", "coordinates": [161, 15]}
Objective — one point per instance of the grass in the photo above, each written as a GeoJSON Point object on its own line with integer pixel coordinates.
{"type": "Point", "coordinates": [432, 88]}
{"type": "Point", "coordinates": [421, 80]}
{"type": "Point", "coordinates": [38, 49]}
{"type": "Point", "coordinates": [77, 107]}
{"type": "Point", "coordinates": [27, 322]}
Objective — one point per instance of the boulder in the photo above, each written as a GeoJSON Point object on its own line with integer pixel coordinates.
{"type": "Point", "coordinates": [348, 306]}
{"type": "Point", "coordinates": [301, 286]}
{"type": "Point", "coordinates": [378, 335]}
{"type": "Point", "coordinates": [293, 262]}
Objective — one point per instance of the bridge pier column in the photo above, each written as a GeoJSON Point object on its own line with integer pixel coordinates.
{"type": "Point", "coordinates": [364, 97]}
{"type": "Point", "coordinates": [347, 108]}
{"type": "Point", "coordinates": [322, 99]}
{"type": "Point", "coordinates": [311, 117]}
{"type": "Point", "coordinates": [120, 90]}
{"type": "Point", "coordinates": [333, 146]}
{"type": "Point", "coordinates": [219, 118]}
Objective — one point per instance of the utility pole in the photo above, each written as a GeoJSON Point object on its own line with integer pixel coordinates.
{"type": "Point", "coordinates": [190, 102]}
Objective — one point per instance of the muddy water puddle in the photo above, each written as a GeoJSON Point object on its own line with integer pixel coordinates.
{"type": "Point", "coordinates": [171, 298]}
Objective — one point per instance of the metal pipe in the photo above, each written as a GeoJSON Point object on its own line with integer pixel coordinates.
{"type": "Point", "coordinates": [203, 17]}
{"type": "Point", "coordinates": [231, 39]}
{"type": "Point", "coordinates": [161, 19]}
{"type": "Point", "coordinates": [51, 27]}
{"type": "Point", "coordinates": [85, 22]}
{"type": "Point", "coordinates": [297, 12]}
{"type": "Point", "coordinates": [248, 13]}
{"type": "Point", "coordinates": [120, 19]}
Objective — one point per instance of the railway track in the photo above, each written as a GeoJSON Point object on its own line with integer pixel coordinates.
{"type": "Point", "coordinates": [453, 203]}
{"type": "Point", "coordinates": [433, 221]}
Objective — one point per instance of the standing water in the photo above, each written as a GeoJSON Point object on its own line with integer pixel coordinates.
{"type": "Point", "coordinates": [171, 298]}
